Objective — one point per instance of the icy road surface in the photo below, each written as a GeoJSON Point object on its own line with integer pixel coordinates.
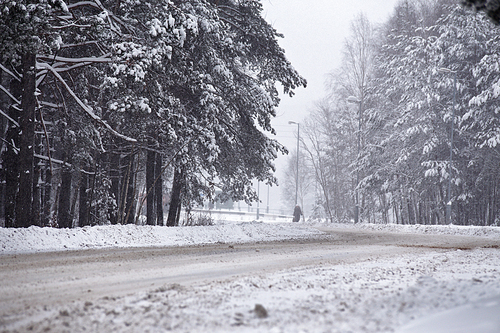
{"type": "Point", "coordinates": [342, 280]}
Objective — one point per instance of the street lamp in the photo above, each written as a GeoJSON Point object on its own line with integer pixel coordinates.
{"type": "Point", "coordinates": [258, 200]}
{"type": "Point", "coordinates": [355, 100]}
{"type": "Point", "coordinates": [297, 173]}
{"type": "Point", "coordinates": [267, 209]}
{"type": "Point", "coordinates": [448, 199]}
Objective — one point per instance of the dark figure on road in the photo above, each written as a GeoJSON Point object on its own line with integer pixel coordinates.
{"type": "Point", "coordinates": [296, 213]}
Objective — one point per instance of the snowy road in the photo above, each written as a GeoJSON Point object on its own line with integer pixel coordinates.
{"type": "Point", "coordinates": [35, 287]}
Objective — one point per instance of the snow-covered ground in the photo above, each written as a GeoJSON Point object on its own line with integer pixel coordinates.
{"type": "Point", "coordinates": [438, 291]}
{"type": "Point", "coordinates": [227, 229]}
{"type": "Point", "coordinates": [33, 239]}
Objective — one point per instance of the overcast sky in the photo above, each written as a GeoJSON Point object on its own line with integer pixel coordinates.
{"type": "Point", "coordinates": [314, 31]}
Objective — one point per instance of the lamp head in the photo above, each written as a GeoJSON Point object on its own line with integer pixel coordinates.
{"type": "Point", "coordinates": [445, 70]}
{"type": "Point", "coordinates": [352, 99]}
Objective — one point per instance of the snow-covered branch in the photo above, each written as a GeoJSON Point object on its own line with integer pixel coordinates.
{"type": "Point", "coordinates": [102, 59]}
{"type": "Point", "coordinates": [56, 161]}
{"type": "Point", "coordinates": [10, 73]}
{"type": "Point", "coordinates": [85, 107]}
{"type": "Point", "coordinates": [9, 94]}
{"type": "Point", "coordinates": [72, 25]}
{"type": "Point", "coordinates": [62, 63]}
{"type": "Point", "coordinates": [83, 4]}
{"type": "Point", "coordinates": [9, 118]}
{"type": "Point", "coordinates": [98, 5]}
{"type": "Point", "coordinates": [67, 46]}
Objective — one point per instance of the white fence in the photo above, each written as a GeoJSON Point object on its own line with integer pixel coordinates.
{"type": "Point", "coordinates": [237, 215]}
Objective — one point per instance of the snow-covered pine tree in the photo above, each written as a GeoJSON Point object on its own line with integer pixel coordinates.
{"type": "Point", "coordinates": [470, 44]}
{"type": "Point", "coordinates": [195, 78]}
{"type": "Point", "coordinates": [416, 107]}
{"type": "Point", "coordinates": [50, 41]}
{"type": "Point", "coordinates": [214, 94]}
{"type": "Point", "coordinates": [408, 120]}
{"type": "Point", "coordinates": [490, 7]}
{"type": "Point", "coordinates": [21, 41]}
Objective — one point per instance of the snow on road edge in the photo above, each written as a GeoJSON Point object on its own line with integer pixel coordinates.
{"type": "Point", "coordinates": [479, 231]}
{"type": "Point", "coordinates": [36, 239]}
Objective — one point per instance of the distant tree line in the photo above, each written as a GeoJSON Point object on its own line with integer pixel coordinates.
{"type": "Point", "coordinates": [411, 123]}
{"type": "Point", "coordinates": [105, 105]}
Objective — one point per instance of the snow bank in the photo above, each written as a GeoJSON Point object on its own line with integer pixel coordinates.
{"type": "Point", "coordinates": [481, 316]}
{"type": "Point", "coordinates": [34, 239]}
{"type": "Point", "coordinates": [480, 231]}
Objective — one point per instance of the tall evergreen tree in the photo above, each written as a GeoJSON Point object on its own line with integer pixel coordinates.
{"type": "Point", "coordinates": [194, 79]}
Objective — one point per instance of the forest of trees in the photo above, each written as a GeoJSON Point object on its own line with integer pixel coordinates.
{"type": "Point", "coordinates": [107, 104]}
{"type": "Point", "coordinates": [410, 129]}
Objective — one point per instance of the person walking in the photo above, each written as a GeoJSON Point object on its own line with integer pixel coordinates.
{"type": "Point", "coordinates": [296, 213]}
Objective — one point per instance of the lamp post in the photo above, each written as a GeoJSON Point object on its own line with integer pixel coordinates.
{"type": "Point", "coordinates": [448, 199]}
{"type": "Point", "coordinates": [297, 171]}
{"type": "Point", "coordinates": [355, 100]}
{"type": "Point", "coordinates": [267, 209]}
{"type": "Point", "coordinates": [258, 199]}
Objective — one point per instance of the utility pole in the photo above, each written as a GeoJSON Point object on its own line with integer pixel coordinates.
{"type": "Point", "coordinates": [267, 209]}
{"type": "Point", "coordinates": [258, 198]}
{"type": "Point", "coordinates": [297, 169]}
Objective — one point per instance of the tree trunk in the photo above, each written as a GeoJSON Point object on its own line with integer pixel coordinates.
{"type": "Point", "coordinates": [47, 198]}
{"type": "Point", "coordinates": [73, 203]}
{"type": "Point", "coordinates": [175, 199]}
{"type": "Point", "coordinates": [129, 217]}
{"type": "Point", "coordinates": [83, 209]}
{"type": "Point", "coordinates": [114, 173]}
{"type": "Point", "coordinates": [124, 179]}
{"type": "Point", "coordinates": [64, 212]}
{"type": "Point", "coordinates": [11, 169]}
{"type": "Point", "coordinates": [4, 126]}
{"type": "Point", "coordinates": [159, 190]}
{"type": "Point", "coordinates": [10, 165]}
{"type": "Point", "coordinates": [24, 200]}
{"type": "Point", "coordinates": [150, 178]}
{"type": "Point", "coordinates": [37, 196]}
{"type": "Point", "coordinates": [178, 215]}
